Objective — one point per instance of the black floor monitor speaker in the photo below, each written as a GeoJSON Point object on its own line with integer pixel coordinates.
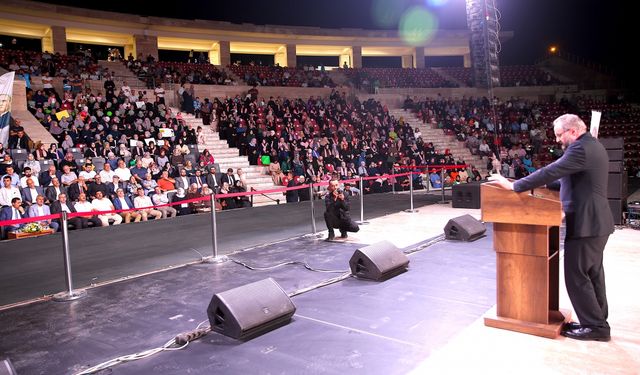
{"type": "Point", "coordinates": [380, 261]}
{"type": "Point", "coordinates": [250, 310]}
{"type": "Point", "coordinates": [464, 228]}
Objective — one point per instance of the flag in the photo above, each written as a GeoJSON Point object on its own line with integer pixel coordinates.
{"type": "Point", "coordinates": [6, 93]}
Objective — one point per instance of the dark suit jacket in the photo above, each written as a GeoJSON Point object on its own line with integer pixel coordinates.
{"type": "Point", "coordinates": [7, 213]}
{"type": "Point", "coordinates": [45, 179]}
{"type": "Point", "coordinates": [56, 207]}
{"type": "Point", "coordinates": [218, 180]}
{"type": "Point", "coordinates": [50, 193]}
{"type": "Point", "coordinates": [26, 194]}
{"type": "Point", "coordinates": [583, 173]}
{"type": "Point", "coordinates": [118, 205]}
{"type": "Point", "coordinates": [74, 191]}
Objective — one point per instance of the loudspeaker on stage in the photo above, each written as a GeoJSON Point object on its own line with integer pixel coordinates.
{"type": "Point", "coordinates": [464, 228]}
{"type": "Point", "coordinates": [380, 261]}
{"type": "Point", "coordinates": [250, 310]}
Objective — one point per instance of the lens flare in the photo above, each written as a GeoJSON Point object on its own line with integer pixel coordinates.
{"type": "Point", "coordinates": [437, 3]}
{"type": "Point", "coordinates": [417, 26]}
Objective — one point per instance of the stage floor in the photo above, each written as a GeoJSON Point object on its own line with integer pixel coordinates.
{"type": "Point", "coordinates": [427, 320]}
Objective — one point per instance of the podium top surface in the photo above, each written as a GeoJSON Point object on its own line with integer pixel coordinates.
{"type": "Point", "coordinates": [540, 207]}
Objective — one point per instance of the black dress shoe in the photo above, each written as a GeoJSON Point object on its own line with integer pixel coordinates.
{"type": "Point", "coordinates": [344, 235]}
{"type": "Point", "coordinates": [588, 334]}
{"type": "Point", "coordinates": [330, 238]}
{"type": "Point", "coordinates": [570, 326]}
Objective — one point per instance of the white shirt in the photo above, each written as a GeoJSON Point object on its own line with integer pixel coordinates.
{"type": "Point", "coordinates": [34, 194]}
{"type": "Point", "coordinates": [65, 208]}
{"type": "Point", "coordinates": [123, 173]}
{"type": "Point", "coordinates": [102, 204]}
{"type": "Point", "coordinates": [88, 175]}
{"type": "Point", "coordinates": [23, 181]}
{"type": "Point", "coordinates": [107, 175]}
{"type": "Point", "coordinates": [85, 206]}
{"type": "Point", "coordinates": [6, 195]}
{"type": "Point", "coordinates": [160, 199]}
{"type": "Point", "coordinates": [123, 203]}
{"type": "Point", "coordinates": [143, 201]}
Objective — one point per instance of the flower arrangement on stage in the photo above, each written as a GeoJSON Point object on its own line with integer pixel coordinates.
{"type": "Point", "coordinates": [32, 228]}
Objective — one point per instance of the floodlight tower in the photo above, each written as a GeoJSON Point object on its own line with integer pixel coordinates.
{"type": "Point", "coordinates": [483, 22]}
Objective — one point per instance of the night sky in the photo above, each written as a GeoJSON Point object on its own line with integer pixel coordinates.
{"type": "Point", "coordinates": [595, 30]}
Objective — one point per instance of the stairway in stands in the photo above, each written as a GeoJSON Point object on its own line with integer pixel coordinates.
{"type": "Point", "coordinates": [229, 157]}
{"type": "Point", "coordinates": [440, 140]}
{"type": "Point", "coordinates": [121, 73]}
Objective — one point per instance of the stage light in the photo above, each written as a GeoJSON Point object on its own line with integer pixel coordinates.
{"type": "Point", "coordinates": [553, 49]}
{"type": "Point", "coordinates": [417, 26]}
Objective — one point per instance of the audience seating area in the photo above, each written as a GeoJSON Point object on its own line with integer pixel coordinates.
{"type": "Point", "coordinates": [258, 75]}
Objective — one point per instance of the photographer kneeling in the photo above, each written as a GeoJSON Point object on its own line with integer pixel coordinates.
{"type": "Point", "coordinates": [337, 211]}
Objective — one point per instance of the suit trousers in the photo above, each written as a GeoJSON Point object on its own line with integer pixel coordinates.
{"type": "Point", "coordinates": [584, 278]}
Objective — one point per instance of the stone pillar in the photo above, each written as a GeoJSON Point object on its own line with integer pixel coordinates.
{"type": "Point", "coordinates": [286, 56]}
{"type": "Point", "coordinates": [356, 57]}
{"type": "Point", "coordinates": [467, 60]}
{"type": "Point", "coordinates": [407, 61]}
{"type": "Point", "coordinates": [224, 49]}
{"type": "Point", "coordinates": [55, 40]}
{"type": "Point", "coordinates": [144, 45]}
{"type": "Point", "coordinates": [292, 60]}
{"type": "Point", "coordinates": [418, 57]}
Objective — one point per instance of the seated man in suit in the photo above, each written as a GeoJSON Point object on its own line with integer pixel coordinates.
{"type": "Point", "coordinates": [61, 205]}
{"type": "Point", "coordinates": [31, 192]}
{"type": "Point", "coordinates": [122, 202]}
{"type": "Point", "coordinates": [41, 209]}
{"type": "Point", "coordinates": [214, 180]}
{"type": "Point", "coordinates": [54, 190]}
{"type": "Point", "coordinates": [13, 212]}
{"type": "Point", "coordinates": [48, 175]}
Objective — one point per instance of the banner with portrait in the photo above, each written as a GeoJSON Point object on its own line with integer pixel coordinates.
{"type": "Point", "coordinates": [6, 93]}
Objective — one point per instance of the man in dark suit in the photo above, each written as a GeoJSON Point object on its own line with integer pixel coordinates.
{"type": "Point", "coordinates": [582, 175]}
{"type": "Point", "coordinates": [30, 192]}
{"type": "Point", "coordinates": [46, 176]}
{"type": "Point", "coordinates": [62, 205]}
{"type": "Point", "coordinates": [13, 212]}
{"type": "Point", "coordinates": [54, 190]}
{"type": "Point", "coordinates": [214, 180]}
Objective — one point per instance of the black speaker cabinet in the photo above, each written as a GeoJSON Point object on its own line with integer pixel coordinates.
{"type": "Point", "coordinates": [464, 228]}
{"type": "Point", "coordinates": [617, 208]}
{"type": "Point", "coordinates": [250, 310]}
{"type": "Point", "coordinates": [379, 261]}
{"type": "Point", "coordinates": [617, 185]}
{"type": "Point", "coordinates": [466, 195]}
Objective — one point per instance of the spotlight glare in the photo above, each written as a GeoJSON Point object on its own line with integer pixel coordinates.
{"type": "Point", "coordinates": [417, 26]}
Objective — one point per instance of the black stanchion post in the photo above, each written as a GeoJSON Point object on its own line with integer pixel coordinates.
{"type": "Point", "coordinates": [393, 185]}
{"type": "Point", "coordinates": [313, 211]}
{"type": "Point", "coordinates": [362, 222]}
{"type": "Point", "coordinates": [443, 201]}
{"type": "Point", "coordinates": [70, 294]}
{"type": "Point", "coordinates": [214, 234]}
{"type": "Point", "coordinates": [411, 210]}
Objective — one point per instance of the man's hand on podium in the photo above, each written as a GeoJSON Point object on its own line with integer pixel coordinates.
{"type": "Point", "coordinates": [501, 181]}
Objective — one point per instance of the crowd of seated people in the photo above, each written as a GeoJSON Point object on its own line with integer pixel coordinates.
{"type": "Point", "coordinates": [157, 72]}
{"type": "Point", "coordinates": [371, 79]}
{"type": "Point", "coordinates": [262, 75]}
{"type": "Point", "coordinates": [76, 69]}
{"type": "Point", "coordinates": [323, 137]}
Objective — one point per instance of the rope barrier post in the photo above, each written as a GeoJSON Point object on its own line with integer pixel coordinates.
{"type": "Point", "coordinates": [214, 235]}
{"type": "Point", "coordinates": [393, 185]}
{"type": "Point", "coordinates": [411, 210]}
{"type": "Point", "coordinates": [362, 222]}
{"type": "Point", "coordinates": [443, 201]}
{"type": "Point", "coordinates": [313, 211]}
{"type": "Point", "coordinates": [70, 294]}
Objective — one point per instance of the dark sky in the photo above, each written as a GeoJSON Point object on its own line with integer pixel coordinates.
{"type": "Point", "coordinates": [592, 29]}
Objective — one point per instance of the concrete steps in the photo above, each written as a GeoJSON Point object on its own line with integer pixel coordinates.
{"type": "Point", "coordinates": [228, 157]}
{"type": "Point", "coordinates": [441, 141]}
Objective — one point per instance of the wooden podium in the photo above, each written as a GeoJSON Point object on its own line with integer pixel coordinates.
{"type": "Point", "coordinates": [526, 238]}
